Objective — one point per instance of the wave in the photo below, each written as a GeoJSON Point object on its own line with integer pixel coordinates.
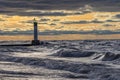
{"type": "Point", "coordinates": [108, 56]}
{"type": "Point", "coordinates": [103, 56]}
{"type": "Point", "coordinates": [73, 53]}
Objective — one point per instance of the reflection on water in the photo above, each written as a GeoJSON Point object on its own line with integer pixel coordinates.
{"type": "Point", "coordinates": [60, 37]}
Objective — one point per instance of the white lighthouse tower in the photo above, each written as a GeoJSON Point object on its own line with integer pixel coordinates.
{"type": "Point", "coordinates": [35, 41]}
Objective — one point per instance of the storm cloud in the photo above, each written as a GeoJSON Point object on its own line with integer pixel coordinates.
{"type": "Point", "coordinates": [19, 7]}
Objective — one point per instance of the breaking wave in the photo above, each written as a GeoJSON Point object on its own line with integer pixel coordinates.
{"type": "Point", "coordinates": [108, 56]}
{"type": "Point", "coordinates": [103, 56]}
{"type": "Point", "coordinates": [73, 53]}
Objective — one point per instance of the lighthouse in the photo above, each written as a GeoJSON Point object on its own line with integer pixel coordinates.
{"type": "Point", "coordinates": [35, 25]}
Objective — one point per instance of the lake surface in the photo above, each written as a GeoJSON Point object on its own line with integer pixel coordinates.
{"type": "Point", "coordinates": [60, 37]}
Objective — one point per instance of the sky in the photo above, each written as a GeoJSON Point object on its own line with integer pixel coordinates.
{"type": "Point", "coordinates": [56, 17]}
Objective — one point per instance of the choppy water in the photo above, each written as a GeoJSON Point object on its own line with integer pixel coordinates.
{"type": "Point", "coordinates": [61, 60]}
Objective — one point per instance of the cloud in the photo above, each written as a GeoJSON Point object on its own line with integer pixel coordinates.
{"type": "Point", "coordinates": [2, 19]}
{"type": "Point", "coordinates": [59, 28]}
{"type": "Point", "coordinates": [55, 32]}
{"type": "Point", "coordinates": [20, 7]}
{"type": "Point", "coordinates": [96, 21]}
{"type": "Point", "coordinates": [28, 21]}
{"type": "Point", "coordinates": [28, 10]}
{"type": "Point", "coordinates": [31, 22]}
{"type": "Point", "coordinates": [61, 4]}
{"type": "Point", "coordinates": [112, 20]}
{"type": "Point", "coordinates": [109, 25]}
{"type": "Point", "coordinates": [88, 22]}
{"type": "Point", "coordinates": [75, 22]}
{"type": "Point", "coordinates": [44, 19]}
{"type": "Point", "coordinates": [56, 20]}
{"type": "Point", "coordinates": [50, 12]}
{"type": "Point", "coordinates": [44, 12]}
{"type": "Point", "coordinates": [82, 22]}
{"type": "Point", "coordinates": [117, 16]}
{"type": "Point", "coordinates": [86, 8]}
{"type": "Point", "coordinates": [53, 24]}
{"type": "Point", "coordinates": [42, 23]}
{"type": "Point", "coordinates": [42, 4]}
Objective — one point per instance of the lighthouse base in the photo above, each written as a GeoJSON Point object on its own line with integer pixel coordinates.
{"type": "Point", "coordinates": [35, 42]}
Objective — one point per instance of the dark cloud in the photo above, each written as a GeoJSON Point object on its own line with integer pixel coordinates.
{"type": "Point", "coordinates": [56, 20]}
{"type": "Point", "coordinates": [82, 22]}
{"type": "Point", "coordinates": [31, 22]}
{"type": "Point", "coordinates": [96, 21]}
{"type": "Point", "coordinates": [109, 25]}
{"type": "Point", "coordinates": [54, 32]}
{"type": "Point", "coordinates": [42, 14]}
{"type": "Point", "coordinates": [18, 7]}
{"type": "Point", "coordinates": [60, 4]}
{"type": "Point", "coordinates": [28, 21]}
{"type": "Point", "coordinates": [112, 20]}
{"type": "Point", "coordinates": [117, 16]}
{"type": "Point", "coordinates": [16, 32]}
{"type": "Point", "coordinates": [44, 19]}
{"type": "Point", "coordinates": [75, 22]}
{"type": "Point", "coordinates": [45, 13]}
{"type": "Point", "coordinates": [60, 27]}
{"type": "Point", "coordinates": [42, 23]}
{"type": "Point", "coordinates": [97, 32]}
{"type": "Point", "coordinates": [53, 24]}
{"type": "Point", "coordinates": [87, 22]}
